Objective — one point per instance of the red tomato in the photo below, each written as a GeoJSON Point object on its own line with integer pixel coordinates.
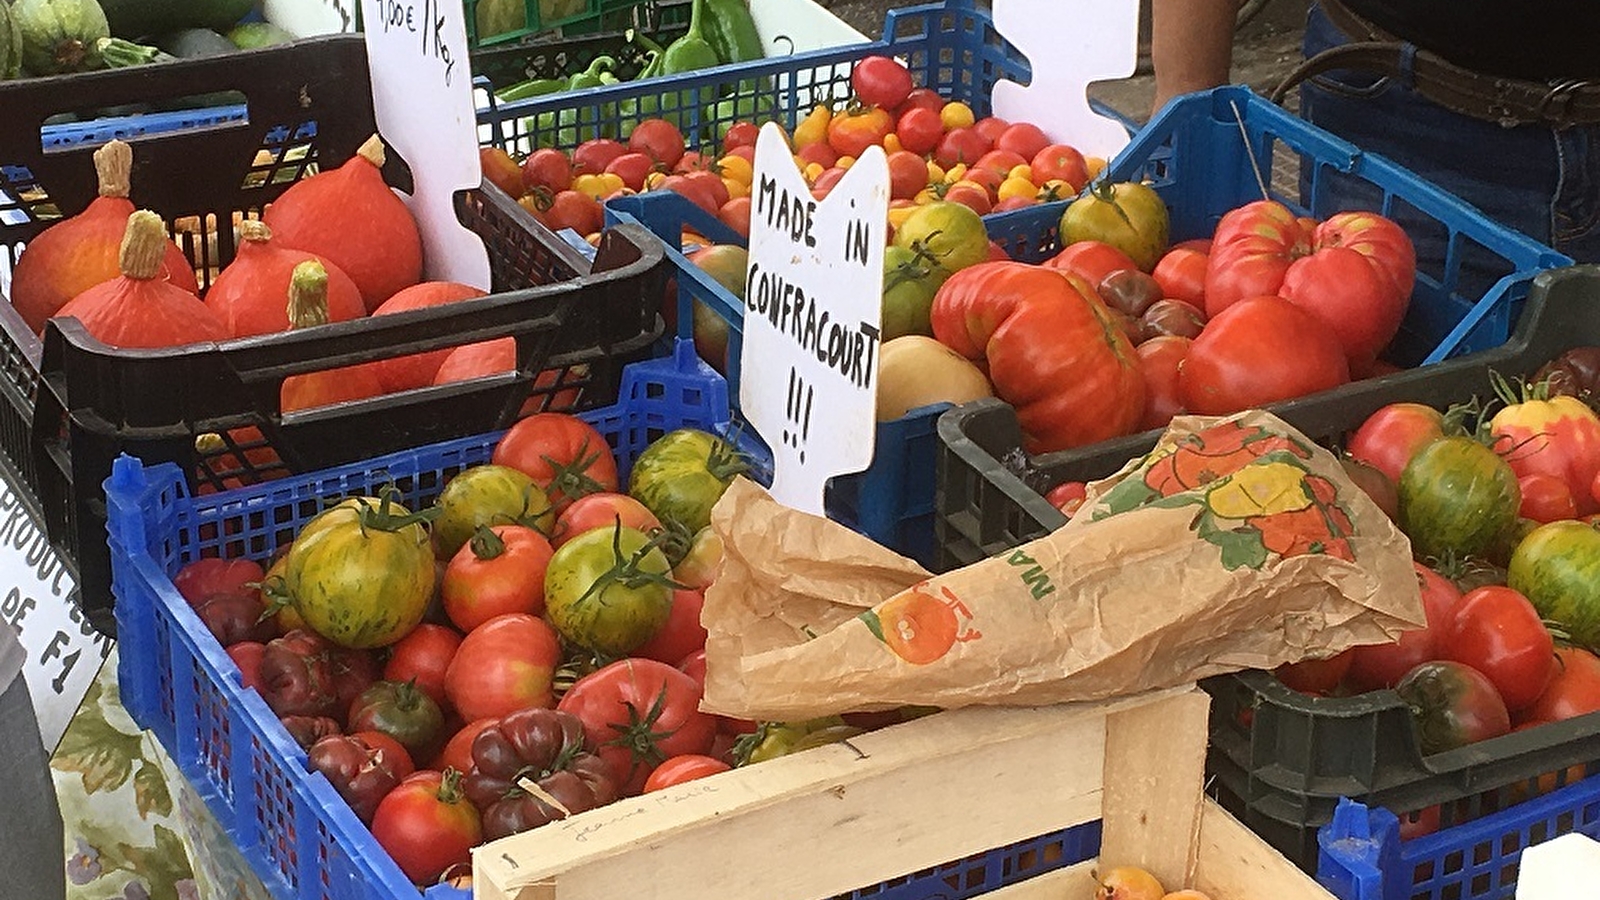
{"type": "Point", "coordinates": [562, 454]}
{"type": "Point", "coordinates": [393, 754]}
{"type": "Point", "coordinates": [1315, 676]}
{"type": "Point", "coordinates": [498, 571]}
{"type": "Point", "coordinates": [1203, 245]}
{"type": "Point", "coordinates": [1545, 498]}
{"type": "Point", "coordinates": [1498, 632]}
{"type": "Point", "coordinates": [745, 152]}
{"type": "Point", "coordinates": [997, 253]}
{"type": "Point", "coordinates": [247, 656]}
{"type": "Point", "coordinates": [504, 665]}
{"type": "Point", "coordinates": [1000, 162]}
{"type": "Point", "coordinates": [1574, 689]}
{"type": "Point", "coordinates": [632, 167]}
{"type": "Point", "coordinates": [1182, 275]}
{"type": "Point", "coordinates": [1453, 705]}
{"type": "Point", "coordinates": [1007, 204]}
{"type": "Point", "coordinates": [602, 510]}
{"type": "Point", "coordinates": [991, 128]}
{"type": "Point", "coordinates": [1024, 139]}
{"type": "Point", "coordinates": [679, 769]}
{"type": "Point", "coordinates": [1559, 436]}
{"type": "Point", "coordinates": [1354, 271]}
{"type": "Point", "coordinates": [1421, 822]}
{"type": "Point", "coordinates": [1174, 317]}
{"type": "Point", "coordinates": [736, 215]}
{"type": "Point", "coordinates": [573, 209]}
{"type": "Point", "coordinates": [1160, 358]}
{"type": "Point", "coordinates": [1060, 162]}
{"type": "Point", "coordinates": [988, 179]}
{"type": "Point", "coordinates": [919, 130]}
{"type": "Point", "coordinates": [211, 576]}
{"type": "Point", "coordinates": [1068, 496]}
{"type": "Point", "coordinates": [659, 140]}
{"type": "Point", "coordinates": [692, 162]}
{"type": "Point", "coordinates": [908, 174]}
{"type": "Point", "coordinates": [921, 98]}
{"type": "Point", "coordinates": [423, 656]}
{"type": "Point", "coordinates": [1260, 351]}
{"type": "Point", "coordinates": [682, 635]}
{"type": "Point", "coordinates": [819, 153]}
{"type": "Point", "coordinates": [971, 196]}
{"type": "Point", "coordinates": [1375, 666]}
{"type": "Point", "coordinates": [960, 145]}
{"type": "Point", "coordinates": [694, 666]}
{"type": "Point", "coordinates": [427, 825]}
{"type": "Point", "coordinates": [1091, 260]}
{"type": "Point", "coordinates": [638, 713]}
{"type": "Point", "coordinates": [740, 134]}
{"type": "Point", "coordinates": [880, 81]}
{"type": "Point", "coordinates": [591, 157]}
{"type": "Point", "coordinates": [851, 133]}
{"type": "Point", "coordinates": [549, 169]}
{"type": "Point", "coordinates": [1389, 437]}
{"type": "Point", "coordinates": [826, 181]}
{"type": "Point", "coordinates": [457, 752]}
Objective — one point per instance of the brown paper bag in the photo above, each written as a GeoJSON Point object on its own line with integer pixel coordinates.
{"type": "Point", "coordinates": [1237, 543]}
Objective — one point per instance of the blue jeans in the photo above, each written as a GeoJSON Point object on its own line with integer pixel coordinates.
{"type": "Point", "coordinates": [32, 855]}
{"type": "Point", "coordinates": [1538, 180]}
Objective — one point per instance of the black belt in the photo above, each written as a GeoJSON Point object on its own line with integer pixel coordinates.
{"type": "Point", "coordinates": [1504, 101]}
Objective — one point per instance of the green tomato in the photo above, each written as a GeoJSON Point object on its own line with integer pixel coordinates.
{"type": "Point", "coordinates": [945, 234]}
{"type": "Point", "coordinates": [608, 590]}
{"type": "Point", "coordinates": [682, 475]}
{"type": "Point", "coordinates": [909, 285]}
{"type": "Point", "coordinates": [1129, 216]}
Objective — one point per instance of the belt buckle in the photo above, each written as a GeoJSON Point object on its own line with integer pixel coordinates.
{"type": "Point", "coordinates": [1555, 106]}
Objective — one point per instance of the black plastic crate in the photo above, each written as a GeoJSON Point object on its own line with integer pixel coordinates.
{"type": "Point", "coordinates": [309, 105]}
{"type": "Point", "coordinates": [1280, 760]}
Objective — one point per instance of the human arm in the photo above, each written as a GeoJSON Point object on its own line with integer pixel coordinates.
{"type": "Point", "coordinates": [1191, 45]}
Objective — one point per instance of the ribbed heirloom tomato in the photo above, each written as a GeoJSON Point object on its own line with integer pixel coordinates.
{"type": "Point", "coordinates": [1053, 351]}
{"type": "Point", "coordinates": [639, 713]}
{"type": "Point", "coordinates": [504, 665]}
{"type": "Point", "coordinates": [562, 454]}
{"type": "Point", "coordinates": [1259, 351]}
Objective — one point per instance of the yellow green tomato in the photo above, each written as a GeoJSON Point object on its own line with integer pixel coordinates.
{"type": "Point", "coordinates": [361, 576]}
{"type": "Point", "coordinates": [608, 590]}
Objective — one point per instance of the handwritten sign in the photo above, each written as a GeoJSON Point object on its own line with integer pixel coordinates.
{"type": "Point", "coordinates": [422, 95]}
{"type": "Point", "coordinates": [1064, 62]}
{"type": "Point", "coordinates": [305, 18]}
{"type": "Point", "coordinates": [64, 651]}
{"type": "Point", "coordinates": [813, 303]}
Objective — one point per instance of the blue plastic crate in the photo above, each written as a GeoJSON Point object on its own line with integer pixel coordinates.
{"type": "Point", "coordinates": [299, 836]}
{"type": "Point", "coordinates": [1210, 152]}
{"type": "Point", "coordinates": [892, 501]}
{"type": "Point", "coordinates": [1363, 858]}
{"type": "Point", "coordinates": [951, 47]}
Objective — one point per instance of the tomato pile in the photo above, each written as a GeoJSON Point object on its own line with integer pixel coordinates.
{"type": "Point", "coordinates": [526, 648]}
{"type": "Point", "coordinates": [1501, 501]}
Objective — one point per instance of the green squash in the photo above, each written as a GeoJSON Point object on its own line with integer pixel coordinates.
{"type": "Point", "coordinates": [60, 36]}
{"type": "Point", "coordinates": [10, 43]}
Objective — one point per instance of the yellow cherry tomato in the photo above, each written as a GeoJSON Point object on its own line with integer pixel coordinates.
{"type": "Point", "coordinates": [1095, 165]}
{"type": "Point", "coordinates": [891, 143]}
{"type": "Point", "coordinates": [898, 215]}
{"type": "Point", "coordinates": [814, 128]}
{"type": "Point", "coordinates": [1022, 171]}
{"type": "Point", "coordinates": [935, 173]}
{"type": "Point", "coordinates": [955, 173]}
{"type": "Point", "coordinates": [1055, 189]}
{"type": "Point", "coordinates": [925, 196]}
{"type": "Point", "coordinates": [956, 115]}
{"type": "Point", "coordinates": [813, 170]}
{"type": "Point", "coordinates": [1016, 187]}
{"type": "Point", "coordinates": [845, 162]}
{"type": "Point", "coordinates": [738, 168]}
{"type": "Point", "coordinates": [598, 185]}
{"type": "Point", "coordinates": [736, 188]}
{"type": "Point", "coordinates": [653, 180]}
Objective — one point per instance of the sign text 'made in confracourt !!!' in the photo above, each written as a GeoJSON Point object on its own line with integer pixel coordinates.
{"type": "Point", "coordinates": [813, 305]}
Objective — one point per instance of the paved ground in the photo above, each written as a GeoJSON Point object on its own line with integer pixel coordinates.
{"type": "Point", "coordinates": [1266, 48]}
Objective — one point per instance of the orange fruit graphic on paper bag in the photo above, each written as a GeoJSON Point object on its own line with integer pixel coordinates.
{"type": "Point", "coordinates": [916, 627]}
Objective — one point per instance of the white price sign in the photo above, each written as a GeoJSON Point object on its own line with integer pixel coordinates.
{"type": "Point", "coordinates": [1064, 62]}
{"type": "Point", "coordinates": [64, 651]}
{"type": "Point", "coordinates": [422, 95]}
{"type": "Point", "coordinates": [813, 304]}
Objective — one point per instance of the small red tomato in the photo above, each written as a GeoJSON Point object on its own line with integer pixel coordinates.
{"type": "Point", "coordinates": [247, 656]}
{"type": "Point", "coordinates": [500, 570]}
{"type": "Point", "coordinates": [457, 752]}
{"type": "Point", "coordinates": [212, 576]}
{"type": "Point", "coordinates": [919, 130]}
{"type": "Point", "coordinates": [1389, 437]}
{"type": "Point", "coordinates": [1060, 162]}
{"type": "Point", "coordinates": [1091, 260]}
{"type": "Point", "coordinates": [880, 81]}
{"type": "Point", "coordinates": [998, 253]}
{"type": "Point", "coordinates": [1024, 139]}
{"type": "Point", "coordinates": [1573, 691]}
{"type": "Point", "coordinates": [1182, 275]}
{"type": "Point", "coordinates": [548, 169]}
{"type": "Point", "coordinates": [826, 181]}
{"type": "Point", "coordinates": [1001, 162]}
{"type": "Point", "coordinates": [692, 161]}
{"type": "Point", "coordinates": [747, 152]}
{"type": "Point", "coordinates": [908, 174]}
{"type": "Point", "coordinates": [819, 153]}
{"type": "Point", "coordinates": [682, 635]}
{"type": "Point", "coordinates": [1498, 632]}
{"type": "Point", "coordinates": [632, 167]}
{"type": "Point", "coordinates": [573, 209]}
{"type": "Point", "coordinates": [990, 128]}
{"type": "Point", "coordinates": [971, 196]}
{"type": "Point", "coordinates": [422, 657]}
{"type": "Point", "coordinates": [427, 825]}
{"type": "Point", "coordinates": [602, 509]}
{"type": "Point", "coordinates": [1546, 498]}
{"type": "Point", "coordinates": [658, 139]}
{"type": "Point", "coordinates": [591, 157]}
{"type": "Point", "coordinates": [1068, 496]}
{"type": "Point", "coordinates": [1318, 676]}
{"type": "Point", "coordinates": [736, 215]}
{"type": "Point", "coordinates": [920, 98]}
{"type": "Point", "coordinates": [1007, 204]}
{"type": "Point", "coordinates": [679, 769]}
{"type": "Point", "coordinates": [960, 145]}
{"type": "Point", "coordinates": [1160, 358]}
{"type": "Point", "coordinates": [1376, 666]}
{"type": "Point", "coordinates": [740, 134]}
{"type": "Point", "coordinates": [851, 133]}
{"type": "Point", "coordinates": [1174, 317]}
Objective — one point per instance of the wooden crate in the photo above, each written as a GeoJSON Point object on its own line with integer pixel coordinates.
{"type": "Point", "coordinates": [904, 799]}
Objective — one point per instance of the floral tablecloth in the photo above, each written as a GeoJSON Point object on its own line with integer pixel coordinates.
{"type": "Point", "coordinates": [135, 828]}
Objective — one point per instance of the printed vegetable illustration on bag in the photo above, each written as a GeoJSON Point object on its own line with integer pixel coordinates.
{"type": "Point", "coordinates": [1236, 543]}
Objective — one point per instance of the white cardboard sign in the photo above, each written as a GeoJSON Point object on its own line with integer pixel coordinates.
{"type": "Point", "coordinates": [813, 305]}
{"type": "Point", "coordinates": [1064, 62]}
{"type": "Point", "coordinates": [64, 651]}
{"type": "Point", "coordinates": [422, 95]}
{"type": "Point", "coordinates": [305, 18]}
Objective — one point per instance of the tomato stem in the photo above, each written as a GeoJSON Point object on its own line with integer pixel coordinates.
{"type": "Point", "coordinates": [486, 544]}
